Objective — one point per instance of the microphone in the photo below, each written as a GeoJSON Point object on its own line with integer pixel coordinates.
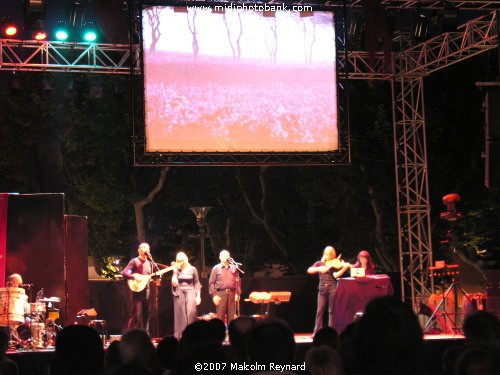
{"type": "Point", "coordinates": [26, 285]}
{"type": "Point", "coordinates": [234, 262]}
{"type": "Point", "coordinates": [173, 264]}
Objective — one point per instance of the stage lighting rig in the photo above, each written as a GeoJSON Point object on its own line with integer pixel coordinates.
{"type": "Point", "coordinates": [420, 28]}
{"type": "Point", "coordinates": [89, 32]}
{"type": "Point", "coordinates": [9, 28]}
{"type": "Point", "coordinates": [451, 213]}
{"type": "Point", "coordinates": [39, 31]}
{"type": "Point", "coordinates": [62, 31]}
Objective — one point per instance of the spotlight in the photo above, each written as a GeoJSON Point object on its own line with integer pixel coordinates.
{"type": "Point", "coordinates": [355, 26]}
{"type": "Point", "coordinates": [451, 213]}
{"type": "Point", "coordinates": [39, 31]}
{"type": "Point", "coordinates": [9, 29]}
{"type": "Point", "coordinates": [61, 31]}
{"type": "Point", "coordinates": [420, 28]}
{"type": "Point", "coordinates": [89, 32]}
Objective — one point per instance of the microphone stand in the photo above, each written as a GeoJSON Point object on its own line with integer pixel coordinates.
{"type": "Point", "coordinates": [238, 284]}
{"type": "Point", "coordinates": [155, 304]}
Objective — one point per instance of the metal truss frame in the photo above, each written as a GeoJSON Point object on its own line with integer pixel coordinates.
{"type": "Point", "coordinates": [412, 188]}
{"type": "Point", "coordinates": [472, 38]}
{"type": "Point", "coordinates": [409, 127]}
{"type": "Point", "coordinates": [409, 66]}
{"type": "Point", "coordinates": [332, 4]}
{"type": "Point", "coordinates": [436, 4]}
{"type": "Point", "coordinates": [29, 55]}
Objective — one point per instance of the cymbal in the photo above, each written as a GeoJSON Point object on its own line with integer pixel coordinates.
{"type": "Point", "coordinates": [50, 299]}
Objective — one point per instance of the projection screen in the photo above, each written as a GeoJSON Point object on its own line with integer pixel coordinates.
{"type": "Point", "coordinates": [239, 80]}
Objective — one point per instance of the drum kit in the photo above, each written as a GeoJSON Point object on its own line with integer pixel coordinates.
{"type": "Point", "coordinates": [30, 325]}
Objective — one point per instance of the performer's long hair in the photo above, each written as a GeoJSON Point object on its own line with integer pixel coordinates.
{"type": "Point", "coordinates": [329, 253]}
{"type": "Point", "coordinates": [370, 267]}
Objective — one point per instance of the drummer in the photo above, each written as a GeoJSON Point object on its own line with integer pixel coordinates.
{"type": "Point", "coordinates": [17, 308]}
{"type": "Point", "coordinates": [14, 281]}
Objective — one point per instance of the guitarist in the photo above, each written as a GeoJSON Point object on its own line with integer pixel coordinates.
{"type": "Point", "coordinates": [141, 265]}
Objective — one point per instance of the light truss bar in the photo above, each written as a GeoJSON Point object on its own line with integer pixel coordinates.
{"type": "Point", "coordinates": [238, 159]}
{"type": "Point", "coordinates": [434, 4]}
{"type": "Point", "coordinates": [365, 66]}
{"type": "Point", "coordinates": [330, 5]}
{"type": "Point", "coordinates": [413, 206]}
{"type": "Point", "coordinates": [474, 37]}
{"type": "Point", "coordinates": [27, 55]}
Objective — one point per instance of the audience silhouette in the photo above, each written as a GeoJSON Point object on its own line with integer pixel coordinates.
{"type": "Point", "coordinates": [79, 351]}
{"type": "Point", "coordinates": [323, 360]}
{"type": "Point", "coordinates": [272, 341]}
{"type": "Point", "coordinates": [7, 365]}
{"type": "Point", "coordinates": [327, 336]}
{"type": "Point", "coordinates": [138, 353]}
{"type": "Point", "coordinates": [239, 334]}
{"type": "Point", "coordinates": [387, 339]}
{"type": "Point", "coordinates": [482, 336]}
{"type": "Point", "coordinates": [166, 351]}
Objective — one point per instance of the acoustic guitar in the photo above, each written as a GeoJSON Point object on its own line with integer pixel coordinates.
{"type": "Point", "coordinates": [143, 280]}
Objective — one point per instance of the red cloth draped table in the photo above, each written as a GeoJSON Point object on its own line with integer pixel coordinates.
{"type": "Point", "coordinates": [353, 294]}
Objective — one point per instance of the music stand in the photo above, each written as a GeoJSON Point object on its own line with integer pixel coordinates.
{"type": "Point", "coordinates": [446, 271]}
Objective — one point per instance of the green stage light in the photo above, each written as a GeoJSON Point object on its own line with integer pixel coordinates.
{"type": "Point", "coordinates": [61, 31]}
{"type": "Point", "coordinates": [89, 32]}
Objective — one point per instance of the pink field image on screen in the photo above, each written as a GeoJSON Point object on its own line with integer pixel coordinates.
{"type": "Point", "coordinates": [239, 82]}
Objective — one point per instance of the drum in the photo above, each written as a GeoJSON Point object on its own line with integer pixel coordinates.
{"type": "Point", "coordinates": [38, 308]}
{"type": "Point", "coordinates": [23, 332]}
{"type": "Point", "coordinates": [37, 333]}
{"type": "Point", "coordinates": [49, 336]}
{"type": "Point", "coordinates": [13, 303]}
{"type": "Point", "coordinates": [53, 314]}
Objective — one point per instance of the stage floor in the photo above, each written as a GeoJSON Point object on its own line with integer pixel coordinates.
{"type": "Point", "coordinates": [305, 338]}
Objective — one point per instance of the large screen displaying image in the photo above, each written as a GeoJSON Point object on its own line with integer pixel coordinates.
{"type": "Point", "coordinates": [239, 80]}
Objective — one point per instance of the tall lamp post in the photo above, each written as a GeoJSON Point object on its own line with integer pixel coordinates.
{"type": "Point", "coordinates": [201, 214]}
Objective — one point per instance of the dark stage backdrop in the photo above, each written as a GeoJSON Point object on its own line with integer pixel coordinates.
{"type": "Point", "coordinates": [47, 248]}
{"type": "Point", "coordinates": [111, 299]}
